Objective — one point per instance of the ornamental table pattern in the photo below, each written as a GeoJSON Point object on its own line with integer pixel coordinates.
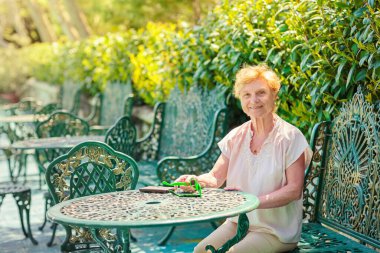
{"type": "Point", "coordinates": [136, 206]}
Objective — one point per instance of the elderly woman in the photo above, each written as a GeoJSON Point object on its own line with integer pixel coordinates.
{"type": "Point", "coordinates": [267, 157]}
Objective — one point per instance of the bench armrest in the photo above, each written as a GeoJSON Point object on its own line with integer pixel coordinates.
{"type": "Point", "coordinates": [313, 175]}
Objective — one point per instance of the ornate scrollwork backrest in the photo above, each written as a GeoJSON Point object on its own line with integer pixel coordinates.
{"type": "Point", "coordinates": [188, 120]}
{"type": "Point", "coordinates": [170, 168]}
{"type": "Point", "coordinates": [62, 124]}
{"type": "Point", "coordinates": [90, 168]}
{"type": "Point", "coordinates": [122, 136]}
{"type": "Point", "coordinates": [113, 99]}
{"type": "Point", "coordinates": [350, 185]}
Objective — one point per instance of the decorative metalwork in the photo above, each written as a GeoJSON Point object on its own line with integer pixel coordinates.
{"type": "Point", "coordinates": [147, 148]}
{"type": "Point", "coordinates": [89, 168]}
{"type": "Point", "coordinates": [113, 102]}
{"type": "Point", "coordinates": [22, 196]}
{"type": "Point", "coordinates": [320, 137]}
{"type": "Point", "coordinates": [342, 191]}
{"type": "Point", "coordinates": [171, 168]}
{"type": "Point", "coordinates": [152, 206]}
{"type": "Point", "coordinates": [350, 193]}
{"type": "Point", "coordinates": [187, 127]}
{"type": "Point", "coordinates": [62, 124]}
{"type": "Point", "coordinates": [122, 136]}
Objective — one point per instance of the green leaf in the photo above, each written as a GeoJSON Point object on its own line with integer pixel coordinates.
{"type": "Point", "coordinates": [361, 75]}
{"type": "Point", "coordinates": [350, 74]}
{"type": "Point", "coordinates": [339, 71]}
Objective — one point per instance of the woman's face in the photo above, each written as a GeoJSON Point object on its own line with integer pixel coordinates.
{"type": "Point", "coordinates": [257, 99]}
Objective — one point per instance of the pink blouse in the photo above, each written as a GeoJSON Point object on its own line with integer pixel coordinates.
{"type": "Point", "coordinates": [265, 172]}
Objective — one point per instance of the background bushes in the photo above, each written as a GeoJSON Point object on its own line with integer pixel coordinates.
{"type": "Point", "coordinates": [323, 51]}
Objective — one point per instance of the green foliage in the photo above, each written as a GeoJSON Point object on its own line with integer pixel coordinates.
{"type": "Point", "coordinates": [323, 50]}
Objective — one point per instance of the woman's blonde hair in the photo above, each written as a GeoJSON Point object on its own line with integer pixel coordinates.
{"type": "Point", "coordinates": [249, 74]}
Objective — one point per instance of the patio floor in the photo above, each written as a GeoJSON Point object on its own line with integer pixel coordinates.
{"type": "Point", "coordinates": [12, 239]}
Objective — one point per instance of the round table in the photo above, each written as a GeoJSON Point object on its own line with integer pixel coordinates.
{"type": "Point", "coordinates": [54, 142]}
{"type": "Point", "coordinates": [134, 209]}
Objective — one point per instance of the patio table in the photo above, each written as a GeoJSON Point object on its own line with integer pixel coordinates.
{"type": "Point", "coordinates": [134, 209]}
{"type": "Point", "coordinates": [23, 118]}
{"type": "Point", "coordinates": [54, 142]}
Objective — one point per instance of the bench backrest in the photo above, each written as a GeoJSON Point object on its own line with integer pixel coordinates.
{"type": "Point", "coordinates": [114, 103]}
{"type": "Point", "coordinates": [188, 120]}
{"type": "Point", "coordinates": [343, 183]}
{"type": "Point", "coordinates": [70, 96]}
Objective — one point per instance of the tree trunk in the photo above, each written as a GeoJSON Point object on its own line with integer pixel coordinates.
{"type": "Point", "coordinates": [77, 17]}
{"type": "Point", "coordinates": [61, 18]}
{"type": "Point", "coordinates": [41, 21]}
{"type": "Point", "coordinates": [197, 11]}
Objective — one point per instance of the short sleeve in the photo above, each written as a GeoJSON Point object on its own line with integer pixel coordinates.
{"type": "Point", "coordinates": [226, 144]}
{"type": "Point", "coordinates": [297, 146]}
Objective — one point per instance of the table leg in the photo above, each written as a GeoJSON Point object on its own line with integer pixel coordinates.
{"type": "Point", "coordinates": [243, 225]}
{"type": "Point", "coordinates": [121, 245]}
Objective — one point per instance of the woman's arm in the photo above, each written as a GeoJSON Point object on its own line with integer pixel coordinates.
{"type": "Point", "coordinates": [289, 192]}
{"type": "Point", "coordinates": [213, 179]}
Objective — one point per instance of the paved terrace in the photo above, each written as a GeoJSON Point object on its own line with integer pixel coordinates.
{"type": "Point", "coordinates": [12, 239]}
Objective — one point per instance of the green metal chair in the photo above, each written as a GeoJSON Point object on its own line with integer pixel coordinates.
{"type": "Point", "coordinates": [89, 168]}
{"type": "Point", "coordinates": [183, 137]}
{"type": "Point", "coordinates": [122, 136]}
{"type": "Point", "coordinates": [59, 124]}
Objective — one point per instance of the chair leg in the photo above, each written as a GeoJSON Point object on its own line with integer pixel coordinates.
{"type": "Point", "coordinates": [47, 204]}
{"type": "Point", "coordinates": [165, 239]}
{"type": "Point", "coordinates": [23, 200]}
{"type": "Point", "coordinates": [54, 227]}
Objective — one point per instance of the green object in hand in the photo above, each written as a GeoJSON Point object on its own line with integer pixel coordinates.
{"type": "Point", "coordinates": [193, 182]}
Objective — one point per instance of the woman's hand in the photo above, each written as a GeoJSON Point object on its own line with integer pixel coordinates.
{"type": "Point", "coordinates": [187, 178]}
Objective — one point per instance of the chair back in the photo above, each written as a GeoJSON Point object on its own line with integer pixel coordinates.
{"type": "Point", "coordinates": [122, 136]}
{"type": "Point", "coordinates": [90, 168]}
{"type": "Point", "coordinates": [61, 124]}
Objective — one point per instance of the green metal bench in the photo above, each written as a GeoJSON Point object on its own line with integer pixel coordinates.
{"type": "Point", "coordinates": [342, 185]}
{"type": "Point", "coordinates": [183, 137]}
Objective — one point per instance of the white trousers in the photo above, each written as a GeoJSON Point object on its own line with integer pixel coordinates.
{"type": "Point", "coordinates": [253, 242]}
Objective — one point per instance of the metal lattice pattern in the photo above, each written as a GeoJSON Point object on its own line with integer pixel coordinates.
{"type": "Point", "coordinates": [151, 206]}
{"type": "Point", "coordinates": [89, 168]}
{"type": "Point", "coordinates": [62, 124]}
{"type": "Point", "coordinates": [147, 148]}
{"type": "Point", "coordinates": [122, 136]}
{"type": "Point", "coordinates": [113, 99]}
{"type": "Point", "coordinates": [86, 171]}
{"type": "Point", "coordinates": [188, 120]}
{"type": "Point", "coordinates": [350, 193]}
{"type": "Point", "coordinates": [170, 169]}
{"type": "Point", "coordinates": [314, 172]}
